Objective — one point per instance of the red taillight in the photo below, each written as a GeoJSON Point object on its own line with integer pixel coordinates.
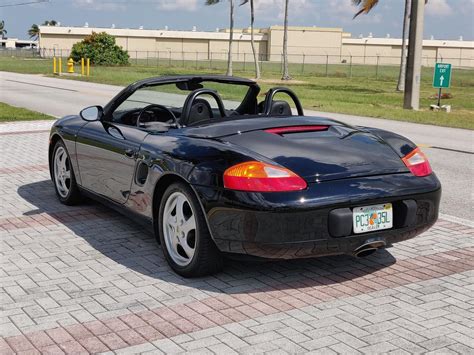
{"type": "Point", "coordinates": [297, 129]}
{"type": "Point", "coordinates": [261, 177]}
{"type": "Point", "coordinates": [417, 162]}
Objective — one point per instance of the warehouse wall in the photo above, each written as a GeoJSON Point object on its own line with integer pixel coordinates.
{"type": "Point", "coordinates": [305, 45]}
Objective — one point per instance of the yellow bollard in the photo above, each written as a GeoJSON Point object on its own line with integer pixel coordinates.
{"type": "Point", "coordinates": [60, 66]}
{"type": "Point", "coordinates": [88, 66]}
{"type": "Point", "coordinates": [70, 66]}
{"type": "Point", "coordinates": [54, 66]}
{"type": "Point", "coordinates": [82, 66]}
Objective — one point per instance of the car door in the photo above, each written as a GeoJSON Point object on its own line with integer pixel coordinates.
{"type": "Point", "coordinates": [106, 155]}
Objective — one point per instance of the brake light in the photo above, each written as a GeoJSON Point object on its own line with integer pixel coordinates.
{"type": "Point", "coordinates": [261, 177]}
{"type": "Point", "coordinates": [417, 162]}
{"type": "Point", "coordinates": [297, 129]}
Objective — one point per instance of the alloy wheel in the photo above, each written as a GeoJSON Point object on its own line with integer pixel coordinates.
{"type": "Point", "coordinates": [62, 172]}
{"type": "Point", "coordinates": [179, 228]}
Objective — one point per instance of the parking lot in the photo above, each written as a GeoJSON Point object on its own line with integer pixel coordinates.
{"type": "Point", "coordinates": [87, 279]}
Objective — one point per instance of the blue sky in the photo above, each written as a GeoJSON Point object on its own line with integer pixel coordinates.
{"type": "Point", "coordinates": [445, 19]}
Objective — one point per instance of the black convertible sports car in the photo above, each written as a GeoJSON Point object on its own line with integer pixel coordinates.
{"type": "Point", "coordinates": [241, 177]}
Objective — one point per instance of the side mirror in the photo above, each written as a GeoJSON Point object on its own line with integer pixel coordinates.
{"type": "Point", "coordinates": [92, 113]}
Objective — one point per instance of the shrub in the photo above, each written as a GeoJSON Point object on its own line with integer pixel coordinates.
{"type": "Point", "coordinates": [101, 49]}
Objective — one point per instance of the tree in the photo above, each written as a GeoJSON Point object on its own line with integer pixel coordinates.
{"type": "Point", "coordinates": [403, 60]}
{"type": "Point", "coordinates": [50, 23]}
{"type": "Point", "coordinates": [34, 31]}
{"type": "Point", "coordinates": [231, 30]}
{"type": "Point", "coordinates": [252, 20]}
{"type": "Point", "coordinates": [286, 74]}
{"type": "Point", "coordinates": [3, 31]}
{"type": "Point", "coordinates": [365, 7]}
{"type": "Point", "coordinates": [101, 49]}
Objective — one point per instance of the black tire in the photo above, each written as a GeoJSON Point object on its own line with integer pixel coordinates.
{"type": "Point", "coordinates": [207, 259]}
{"type": "Point", "coordinates": [73, 197]}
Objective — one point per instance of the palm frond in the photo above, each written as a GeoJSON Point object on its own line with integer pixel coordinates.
{"type": "Point", "coordinates": [33, 32]}
{"type": "Point", "coordinates": [364, 6]}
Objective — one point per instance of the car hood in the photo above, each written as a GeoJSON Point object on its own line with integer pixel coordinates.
{"type": "Point", "coordinates": [332, 151]}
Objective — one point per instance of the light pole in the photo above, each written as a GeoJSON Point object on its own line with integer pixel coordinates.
{"type": "Point", "coordinates": [415, 49]}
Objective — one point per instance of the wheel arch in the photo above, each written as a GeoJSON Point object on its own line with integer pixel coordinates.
{"type": "Point", "coordinates": [52, 143]}
{"type": "Point", "coordinates": [160, 187]}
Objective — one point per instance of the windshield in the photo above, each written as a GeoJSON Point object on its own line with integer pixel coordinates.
{"type": "Point", "coordinates": [173, 96]}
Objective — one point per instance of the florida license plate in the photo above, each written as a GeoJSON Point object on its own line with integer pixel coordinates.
{"type": "Point", "coordinates": [372, 218]}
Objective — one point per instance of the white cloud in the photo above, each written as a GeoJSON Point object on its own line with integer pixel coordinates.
{"type": "Point", "coordinates": [438, 8]}
{"type": "Point", "coordinates": [100, 5]}
{"type": "Point", "coordinates": [178, 5]}
{"type": "Point", "coordinates": [340, 8]}
{"type": "Point", "coordinates": [343, 11]}
{"type": "Point", "coordinates": [268, 8]}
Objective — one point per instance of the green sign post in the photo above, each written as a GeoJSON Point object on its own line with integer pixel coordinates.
{"type": "Point", "coordinates": [441, 78]}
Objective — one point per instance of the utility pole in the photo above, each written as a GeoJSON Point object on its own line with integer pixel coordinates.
{"type": "Point", "coordinates": [415, 49]}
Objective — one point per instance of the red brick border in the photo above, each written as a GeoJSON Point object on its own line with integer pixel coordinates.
{"type": "Point", "coordinates": [164, 322]}
{"type": "Point", "coordinates": [49, 218]}
{"type": "Point", "coordinates": [24, 169]}
{"type": "Point", "coordinates": [24, 132]}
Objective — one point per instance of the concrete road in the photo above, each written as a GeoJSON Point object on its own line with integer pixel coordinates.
{"type": "Point", "coordinates": [52, 96]}
{"type": "Point", "coordinates": [450, 150]}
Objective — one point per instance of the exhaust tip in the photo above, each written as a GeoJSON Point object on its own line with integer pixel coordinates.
{"type": "Point", "coordinates": [368, 248]}
{"type": "Point", "coordinates": [365, 252]}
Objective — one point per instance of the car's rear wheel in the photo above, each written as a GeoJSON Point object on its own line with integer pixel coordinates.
{"type": "Point", "coordinates": [63, 176]}
{"type": "Point", "coordinates": [184, 236]}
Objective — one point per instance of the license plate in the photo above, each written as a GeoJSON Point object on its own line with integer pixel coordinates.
{"type": "Point", "coordinates": [372, 218]}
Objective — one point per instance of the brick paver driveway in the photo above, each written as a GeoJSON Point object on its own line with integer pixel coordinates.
{"type": "Point", "coordinates": [86, 279]}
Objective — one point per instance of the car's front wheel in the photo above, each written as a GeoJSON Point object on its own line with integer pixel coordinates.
{"type": "Point", "coordinates": [184, 236]}
{"type": "Point", "coordinates": [63, 176]}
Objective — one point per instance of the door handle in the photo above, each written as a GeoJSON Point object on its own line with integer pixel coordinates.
{"type": "Point", "coordinates": [130, 153]}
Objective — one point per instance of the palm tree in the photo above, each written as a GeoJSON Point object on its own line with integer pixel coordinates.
{"type": "Point", "coordinates": [34, 31]}
{"type": "Point", "coordinates": [403, 61]}
{"type": "Point", "coordinates": [50, 23]}
{"type": "Point", "coordinates": [365, 7]}
{"type": "Point", "coordinates": [3, 31]}
{"type": "Point", "coordinates": [231, 29]}
{"type": "Point", "coordinates": [252, 20]}
{"type": "Point", "coordinates": [286, 74]}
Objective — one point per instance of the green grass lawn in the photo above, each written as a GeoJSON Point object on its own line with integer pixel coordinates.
{"type": "Point", "coordinates": [12, 113]}
{"type": "Point", "coordinates": [366, 93]}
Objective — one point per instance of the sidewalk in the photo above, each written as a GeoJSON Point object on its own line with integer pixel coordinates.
{"type": "Point", "coordinates": [86, 279]}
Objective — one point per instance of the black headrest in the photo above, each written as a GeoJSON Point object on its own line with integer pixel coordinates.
{"type": "Point", "coordinates": [200, 111]}
{"type": "Point", "coordinates": [280, 108]}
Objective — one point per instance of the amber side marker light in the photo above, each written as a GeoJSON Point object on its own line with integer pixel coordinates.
{"type": "Point", "coordinates": [417, 162]}
{"type": "Point", "coordinates": [261, 177]}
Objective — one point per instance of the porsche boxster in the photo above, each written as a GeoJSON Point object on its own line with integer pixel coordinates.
{"type": "Point", "coordinates": [219, 169]}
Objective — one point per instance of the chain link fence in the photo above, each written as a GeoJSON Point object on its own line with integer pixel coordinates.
{"type": "Point", "coordinates": [299, 64]}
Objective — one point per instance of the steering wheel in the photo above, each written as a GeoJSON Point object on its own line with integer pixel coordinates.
{"type": "Point", "coordinates": [191, 99]}
{"type": "Point", "coordinates": [153, 110]}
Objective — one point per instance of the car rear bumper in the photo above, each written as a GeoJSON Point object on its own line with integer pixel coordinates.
{"type": "Point", "coordinates": [310, 224]}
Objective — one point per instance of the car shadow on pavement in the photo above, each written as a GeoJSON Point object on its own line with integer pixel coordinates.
{"type": "Point", "coordinates": [133, 246]}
